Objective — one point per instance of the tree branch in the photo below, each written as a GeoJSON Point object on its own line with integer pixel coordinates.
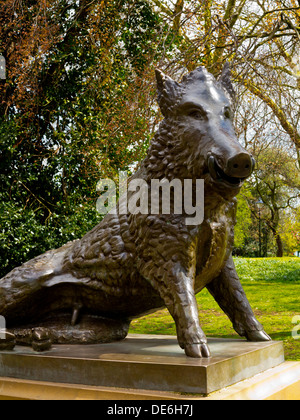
{"type": "Point", "coordinates": [163, 8]}
{"type": "Point", "coordinates": [278, 112]}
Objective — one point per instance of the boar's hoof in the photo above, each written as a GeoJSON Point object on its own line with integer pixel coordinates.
{"type": "Point", "coordinates": [205, 351]}
{"type": "Point", "coordinates": [197, 350]}
{"type": "Point", "coordinates": [41, 340]}
{"type": "Point", "coordinates": [7, 341]}
{"type": "Point", "coordinates": [257, 336]}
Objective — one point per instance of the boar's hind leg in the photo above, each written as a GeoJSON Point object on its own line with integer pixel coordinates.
{"type": "Point", "coordinates": [229, 294]}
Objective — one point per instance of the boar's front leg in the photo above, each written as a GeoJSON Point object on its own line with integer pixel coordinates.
{"type": "Point", "coordinates": [229, 294]}
{"type": "Point", "coordinates": [181, 302]}
{"type": "Point", "coordinates": [176, 287]}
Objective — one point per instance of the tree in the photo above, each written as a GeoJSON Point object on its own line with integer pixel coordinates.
{"type": "Point", "coordinates": [290, 231]}
{"type": "Point", "coordinates": [277, 183]}
{"type": "Point", "coordinates": [244, 220]}
{"type": "Point", "coordinates": [74, 109]}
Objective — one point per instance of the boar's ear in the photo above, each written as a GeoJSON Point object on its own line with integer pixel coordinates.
{"type": "Point", "coordinates": [168, 92]}
{"type": "Point", "coordinates": [225, 80]}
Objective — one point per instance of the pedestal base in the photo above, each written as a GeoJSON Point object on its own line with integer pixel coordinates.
{"type": "Point", "coordinates": [279, 383]}
{"type": "Point", "coordinates": [144, 362]}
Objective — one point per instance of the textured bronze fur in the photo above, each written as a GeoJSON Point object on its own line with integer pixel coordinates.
{"type": "Point", "coordinates": [133, 264]}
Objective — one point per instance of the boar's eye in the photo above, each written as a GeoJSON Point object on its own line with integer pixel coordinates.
{"type": "Point", "coordinates": [228, 112]}
{"type": "Point", "coordinates": [197, 114]}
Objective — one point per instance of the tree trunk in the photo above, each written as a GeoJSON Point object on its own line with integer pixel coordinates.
{"type": "Point", "coordinates": [278, 239]}
{"type": "Point", "coordinates": [279, 246]}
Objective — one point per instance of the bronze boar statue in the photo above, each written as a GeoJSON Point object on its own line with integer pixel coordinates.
{"type": "Point", "coordinates": [133, 264]}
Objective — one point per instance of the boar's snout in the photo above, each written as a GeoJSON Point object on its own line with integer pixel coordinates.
{"type": "Point", "coordinates": [240, 166]}
{"type": "Point", "coordinates": [234, 171]}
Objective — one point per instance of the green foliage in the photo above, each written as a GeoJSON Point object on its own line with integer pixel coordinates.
{"type": "Point", "coordinates": [290, 231]}
{"type": "Point", "coordinates": [244, 219]}
{"type": "Point", "coordinates": [24, 235]}
{"type": "Point", "coordinates": [21, 235]}
{"type": "Point", "coordinates": [77, 112]}
{"type": "Point", "coordinates": [278, 270]}
{"type": "Point", "coordinates": [139, 33]}
{"type": "Point", "coordinates": [268, 207]}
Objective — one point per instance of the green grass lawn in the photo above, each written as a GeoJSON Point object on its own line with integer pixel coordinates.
{"type": "Point", "coordinates": [272, 286]}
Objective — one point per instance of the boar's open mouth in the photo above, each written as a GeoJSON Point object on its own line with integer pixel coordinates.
{"type": "Point", "coordinates": [219, 176]}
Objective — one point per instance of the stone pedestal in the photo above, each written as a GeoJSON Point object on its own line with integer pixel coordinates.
{"type": "Point", "coordinates": [144, 362]}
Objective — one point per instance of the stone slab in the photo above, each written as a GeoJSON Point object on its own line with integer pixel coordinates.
{"type": "Point", "coordinates": [280, 383]}
{"type": "Point", "coordinates": [144, 362]}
